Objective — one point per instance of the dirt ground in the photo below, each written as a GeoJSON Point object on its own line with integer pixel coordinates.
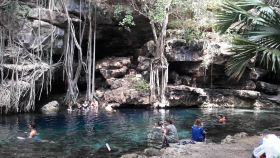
{"type": "Point", "coordinates": [241, 149]}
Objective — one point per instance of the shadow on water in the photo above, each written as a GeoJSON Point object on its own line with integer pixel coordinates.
{"type": "Point", "coordinates": [127, 130]}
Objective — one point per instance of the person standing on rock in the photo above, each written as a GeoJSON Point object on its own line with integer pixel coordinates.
{"type": "Point", "coordinates": [169, 133]}
{"type": "Point", "coordinates": [198, 132]}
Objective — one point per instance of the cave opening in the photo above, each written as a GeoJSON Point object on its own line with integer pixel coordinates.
{"type": "Point", "coordinates": [111, 41]}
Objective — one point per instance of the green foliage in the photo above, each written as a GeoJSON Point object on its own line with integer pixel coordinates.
{"type": "Point", "coordinates": [157, 15]}
{"type": "Point", "coordinates": [178, 24]}
{"type": "Point", "coordinates": [191, 31]}
{"type": "Point", "coordinates": [192, 34]}
{"type": "Point", "coordinates": [141, 85]}
{"type": "Point", "coordinates": [123, 14]}
{"type": "Point", "coordinates": [257, 24]}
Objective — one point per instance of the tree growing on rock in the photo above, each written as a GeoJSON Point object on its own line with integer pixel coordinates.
{"type": "Point", "coordinates": [158, 11]}
{"type": "Point", "coordinates": [90, 22]}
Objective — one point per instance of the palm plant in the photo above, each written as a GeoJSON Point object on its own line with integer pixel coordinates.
{"type": "Point", "coordinates": [257, 25]}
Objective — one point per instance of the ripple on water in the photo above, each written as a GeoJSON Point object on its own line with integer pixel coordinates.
{"type": "Point", "coordinates": [125, 130]}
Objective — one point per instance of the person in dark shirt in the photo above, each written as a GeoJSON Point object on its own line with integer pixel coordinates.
{"type": "Point", "coordinates": [198, 132]}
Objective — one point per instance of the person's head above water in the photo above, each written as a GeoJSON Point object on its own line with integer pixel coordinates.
{"type": "Point", "coordinates": [221, 118]}
{"type": "Point", "coordinates": [198, 122]}
{"type": "Point", "coordinates": [168, 120]}
{"type": "Point", "coordinates": [32, 125]}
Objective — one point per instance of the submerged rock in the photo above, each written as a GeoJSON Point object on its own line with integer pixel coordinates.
{"type": "Point", "coordinates": [50, 108]}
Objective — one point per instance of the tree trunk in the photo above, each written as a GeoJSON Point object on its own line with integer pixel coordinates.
{"type": "Point", "coordinates": [159, 66]}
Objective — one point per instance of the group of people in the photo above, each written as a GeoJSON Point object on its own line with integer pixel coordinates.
{"type": "Point", "coordinates": [83, 105]}
{"type": "Point", "coordinates": [170, 134]}
{"type": "Point", "coordinates": [168, 129]}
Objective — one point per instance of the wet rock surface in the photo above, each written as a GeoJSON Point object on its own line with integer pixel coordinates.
{"type": "Point", "coordinates": [180, 51]}
{"type": "Point", "coordinates": [114, 67]}
{"type": "Point", "coordinates": [185, 96]}
{"type": "Point", "coordinates": [126, 91]}
{"type": "Point", "coordinates": [50, 108]}
{"type": "Point", "coordinates": [240, 145]}
{"type": "Point", "coordinates": [267, 88]}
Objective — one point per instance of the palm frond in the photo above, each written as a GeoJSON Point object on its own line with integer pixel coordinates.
{"type": "Point", "coordinates": [240, 12]}
{"type": "Point", "coordinates": [271, 59]}
{"type": "Point", "coordinates": [244, 51]}
{"type": "Point", "coordinates": [258, 24]}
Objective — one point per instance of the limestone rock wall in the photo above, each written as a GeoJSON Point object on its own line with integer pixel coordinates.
{"type": "Point", "coordinates": [196, 69]}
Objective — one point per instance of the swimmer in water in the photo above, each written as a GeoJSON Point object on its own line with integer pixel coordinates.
{"type": "Point", "coordinates": [33, 132]}
{"type": "Point", "coordinates": [222, 119]}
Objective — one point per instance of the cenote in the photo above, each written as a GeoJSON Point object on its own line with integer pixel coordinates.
{"type": "Point", "coordinates": [127, 130]}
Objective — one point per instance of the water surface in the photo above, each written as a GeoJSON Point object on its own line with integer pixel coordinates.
{"type": "Point", "coordinates": [127, 130]}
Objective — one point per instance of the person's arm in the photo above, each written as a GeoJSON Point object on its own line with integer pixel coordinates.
{"type": "Point", "coordinates": [32, 134]}
{"type": "Point", "coordinates": [203, 131]}
{"type": "Point", "coordinates": [165, 131]}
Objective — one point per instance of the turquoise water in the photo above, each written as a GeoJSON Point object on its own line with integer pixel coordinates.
{"type": "Point", "coordinates": [127, 130]}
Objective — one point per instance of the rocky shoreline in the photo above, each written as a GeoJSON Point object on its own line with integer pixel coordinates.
{"type": "Point", "coordinates": [239, 145]}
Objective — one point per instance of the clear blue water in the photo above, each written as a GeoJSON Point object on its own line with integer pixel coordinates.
{"type": "Point", "coordinates": [127, 130]}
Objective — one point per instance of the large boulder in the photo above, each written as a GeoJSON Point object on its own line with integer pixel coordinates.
{"type": "Point", "coordinates": [143, 63]}
{"type": "Point", "coordinates": [36, 35]}
{"type": "Point", "coordinates": [180, 50]}
{"type": "Point", "coordinates": [53, 17]}
{"type": "Point", "coordinates": [143, 66]}
{"type": "Point", "coordinates": [257, 74]}
{"type": "Point", "coordinates": [50, 108]}
{"type": "Point", "coordinates": [130, 90]}
{"type": "Point", "coordinates": [182, 95]}
{"type": "Point", "coordinates": [267, 88]}
{"type": "Point", "coordinates": [231, 98]}
{"type": "Point", "coordinates": [114, 67]}
{"type": "Point", "coordinates": [148, 49]}
{"type": "Point", "coordinates": [152, 152]}
{"type": "Point", "coordinates": [233, 139]}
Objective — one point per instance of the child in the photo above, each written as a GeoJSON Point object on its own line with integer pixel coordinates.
{"type": "Point", "coordinates": [198, 132]}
